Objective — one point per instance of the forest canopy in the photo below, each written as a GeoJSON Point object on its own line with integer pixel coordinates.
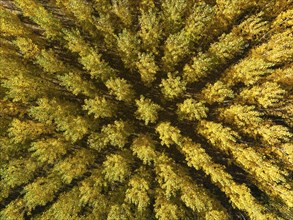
{"type": "Point", "coordinates": [146, 109]}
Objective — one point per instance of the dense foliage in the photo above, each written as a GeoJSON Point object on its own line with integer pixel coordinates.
{"type": "Point", "coordinates": [146, 109]}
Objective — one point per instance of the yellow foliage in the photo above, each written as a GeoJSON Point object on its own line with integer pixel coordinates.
{"type": "Point", "coordinates": [137, 193]}
{"type": "Point", "coordinates": [168, 134]}
{"type": "Point", "coordinates": [190, 109]}
{"type": "Point", "coordinates": [147, 110]}
{"type": "Point", "coordinates": [216, 92]}
{"type": "Point", "coordinates": [116, 168]}
{"type": "Point", "coordinates": [121, 109]}
{"type": "Point", "coordinates": [172, 87]}
{"type": "Point", "coordinates": [100, 107]}
{"type": "Point", "coordinates": [144, 148]}
{"type": "Point", "coordinates": [10, 25]}
{"type": "Point", "coordinates": [75, 165]}
{"type": "Point", "coordinates": [150, 30]}
{"type": "Point", "coordinates": [49, 150]}
{"type": "Point", "coordinates": [266, 95]}
{"type": "Point", "coordinates": [147, 68]}
{"type": "Point", "coordinates": [121, 89]}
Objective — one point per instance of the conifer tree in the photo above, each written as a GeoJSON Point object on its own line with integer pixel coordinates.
{"type": "Point", "coordinates": [123, 109]}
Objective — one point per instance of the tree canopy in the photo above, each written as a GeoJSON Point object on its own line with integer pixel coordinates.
{"type": "Point", "coordinates": [146, 109]}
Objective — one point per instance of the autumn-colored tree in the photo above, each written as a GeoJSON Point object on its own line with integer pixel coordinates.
{"type": "Point", "coordinates": [168, 110]}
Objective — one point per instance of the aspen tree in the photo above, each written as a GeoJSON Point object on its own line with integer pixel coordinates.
{"type": "Point", "coordinates": [217, 92]}
{"type": "Point", "coordinates": [102, 5]}
{"type": "Point", "coordinates": [278, 49]}
{"type": "Point", "coordinates": [49, 61]}
{"type": "Point", "coordinates": [261, 60]}
{"type": "Point", "coordinates": [116, 168]}
{"type": "Point", "coordinates": [218, 134]}
{"type": "Point", "coordinates": [274, 134]}
{"type": "Point", "coordinates": [282, 76]}
{"type": "Point", "coordinates": [97, 141]}
{"type": "Point", "coordinates": [123, 211]}
{"type": "Point", "coordinates": [129, 45]}
{"type": "Point", "coordinates": [176, 47]}
{"type": "Point", "coordinates": [121, 89]}
{"type": "Point", "coordinates": [27, 47]}
{"type": "Point", "coordinates": [147, 110]}
{"type": "Point", "coordinates": [10, 25]}
{"type": "Point", "coordinates": [65, 119]}
{"type": "Point", "coordinates": [144, 148]}
{"type": "Point", "coordinates": [167, 178]}
{"type": "Point", "coordinates": [178, 44]}
{"type": "Point", "coordinates": [231, 9]}
{"type": "Point", "coordinates": [190, 109]}
{"type": "Point", "coordinates": [284, 152]}
{"type": "Point", "coordinates": [41, 191]}
{"type": "Point", "coordinates": [137, 193]}
{"type": "Point", "coordinates": [76, 84]}
{"type": "Point", "coordinates": [10, 109]}
{"type": "Point", "coordinates": [81, 10]}
{"type": "Point", "coordinates": [8, 64]}
{"type": "Point", "coordinates": [7, 49]}
{"type": "Point", "coordinates": [100, 107]}
{"type": "Point", "coordinates": [69, 169]}
{"type": "Point", "coordinates": [5, 191]}
{"type": "Point", "coordinates": [14, 210]}
{"type": "Point", "coordinates": [44, 111]}
{"type": "Point", "coordinates": [150, 30]}
{"type": "Point", "coordinates": [22, 131]}
{"type": "Point", "coordinates": [226, 140]}
{"type": "Point", "coordinates": [168, 173]}
{"type": "Point", "coordinates": [89, 58]}
{"type": "Point", "coordinates": [115, 134]}
{"type": "Point", "coordinates": [172, 87]}
{"type": "Point", "coordinates": [249, 121]}
{"type": "Point", "coordinates": [228, 46]}
{"type": "Point", "coordinates": [166, 209]}
{"type": "Point", "coordinates": [49, 150]}
{"type": "Point", "coordinates": [9, 149]}
{"type": "Point", "coordinates": [123, 10]}
{"type": "Point", "coordinates": [200, 22]}
{"type": "Point", "coordinates": [283, 20]}
{"type": "Point", "coordinates": [25, 87]}
{"type": "Point", "coordinates": [283, 111]}
{"type": "Point", "coordinates": [174, 180]}
{"type": "Point", "coordinates": [266, 95]}
{"type": "Point", "coordinates": [249, 71]}
{"type": "Point", "coordinates": [41, 16]}
{"type": "Point", "coordinates": [168, 134]}
{"type": "Point", "coordinates": [18, 171]}
{"type": "Point", "coordinates": [197, 157]}
{"type": "Point", "coordinates": [67, 205]}
{"type": "Point", "coordinates": [147, 68]}
{"type": "Point", "coordinates": [243, 116]}
{"type": "Point", "coordinates": [173, 15]}
{"type": "Point", "coordinates": [91, 194]}
{"type": "Point", "coordinates": [104, 23]}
